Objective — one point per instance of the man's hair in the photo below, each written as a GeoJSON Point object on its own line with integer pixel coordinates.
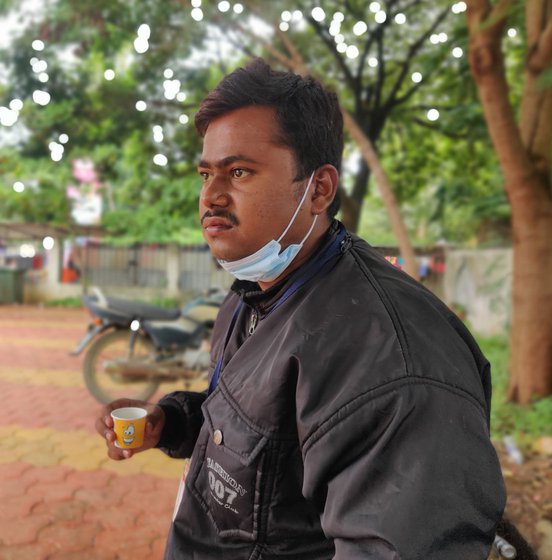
{"type": "Point", "coordinates": [309, 116]}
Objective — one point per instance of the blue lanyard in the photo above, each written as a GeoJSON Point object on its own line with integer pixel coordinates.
{"type": "Point", "coordinates": [308, 273]}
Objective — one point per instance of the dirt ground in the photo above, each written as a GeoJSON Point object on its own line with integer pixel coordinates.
{"type": "Point", "coordinates": [529, 504]}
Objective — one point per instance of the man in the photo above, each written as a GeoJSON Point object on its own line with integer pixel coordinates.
{"type": "Point", "coordinates": [347, 414]}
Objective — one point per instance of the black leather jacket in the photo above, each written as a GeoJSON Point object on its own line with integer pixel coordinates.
{"type": "Point", "coordinates": [349, 422]}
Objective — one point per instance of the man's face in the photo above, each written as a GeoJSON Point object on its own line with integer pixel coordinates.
{"type": "Point", "coordinates": [248, 194]}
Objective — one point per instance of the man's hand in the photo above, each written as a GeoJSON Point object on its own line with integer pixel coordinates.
{"type": "Point", "coordinates": [155, 421]}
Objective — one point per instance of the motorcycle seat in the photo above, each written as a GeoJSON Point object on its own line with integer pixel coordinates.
{"type": "Point", "coordinates": [141, 310]}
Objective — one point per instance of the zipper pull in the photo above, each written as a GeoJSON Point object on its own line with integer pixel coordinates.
{"type": "Point", "coordinates": [253, 322]}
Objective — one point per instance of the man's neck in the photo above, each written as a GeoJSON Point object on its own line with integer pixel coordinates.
{"type": "Point", "coordinates": [311, 246]}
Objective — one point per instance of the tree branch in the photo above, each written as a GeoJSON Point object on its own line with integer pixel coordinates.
{"type": "Point", "coordinates": [540, 54]}
{"type": "Point", "coordinates": [391, 100]}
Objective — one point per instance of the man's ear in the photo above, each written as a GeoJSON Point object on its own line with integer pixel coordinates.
{"type": "Point", "coordinates": [326, 180]}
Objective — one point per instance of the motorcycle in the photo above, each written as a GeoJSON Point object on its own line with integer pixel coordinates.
{"type": "Point", "coordinates": [134, 346]}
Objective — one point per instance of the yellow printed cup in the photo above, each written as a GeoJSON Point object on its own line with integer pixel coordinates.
{"type": "Point", "coordinates": [129, 425]}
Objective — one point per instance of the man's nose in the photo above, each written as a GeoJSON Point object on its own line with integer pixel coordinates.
{"type": "Point", "coordinates": [214, 192]}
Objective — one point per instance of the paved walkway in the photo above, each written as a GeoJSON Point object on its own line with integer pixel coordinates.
{"type": "Point", "coordinates": [60, 496]}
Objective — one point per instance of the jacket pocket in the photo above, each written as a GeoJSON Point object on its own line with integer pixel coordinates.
{"type": "Point", "coordinates": [227, 475]}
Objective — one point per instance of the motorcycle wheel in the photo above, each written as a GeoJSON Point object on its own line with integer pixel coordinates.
{"type": "Point", "coordinates": [106, 387]}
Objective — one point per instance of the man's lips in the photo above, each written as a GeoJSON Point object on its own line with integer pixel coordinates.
{"type": "Point", "coordinates": [215, 224]}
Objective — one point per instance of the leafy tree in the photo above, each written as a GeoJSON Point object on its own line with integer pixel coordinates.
{"type": "Point", "coordinates": [524, 148]}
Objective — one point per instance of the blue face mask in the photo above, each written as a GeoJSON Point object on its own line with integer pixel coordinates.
{"type": "Point", "coordinates": [269, 261]}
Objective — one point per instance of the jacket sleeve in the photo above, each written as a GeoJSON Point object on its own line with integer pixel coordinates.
{"type": "Point", "coordinates": [406, 471]}
{"type": "Point", "coordinates": [183, 420]}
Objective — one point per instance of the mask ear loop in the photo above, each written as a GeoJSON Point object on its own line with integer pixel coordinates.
{"type": "Point", "coordinates": [297, 212]}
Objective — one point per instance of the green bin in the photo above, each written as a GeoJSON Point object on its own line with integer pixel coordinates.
{"type": "Point", "coordinates": [11, 285]}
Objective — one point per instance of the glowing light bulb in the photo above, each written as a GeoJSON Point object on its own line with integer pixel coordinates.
{"type": "Point", "coordinates": [160, 159]}
{"type": "Point", "coordinates": [416, 77]}
{"type": "Point", "coordinates": [18, 187]}
{"type": "Point", "coordinates": [109, 74]}
{"type": "Point", "coordinates": [197, 14]}
{"type": "Point", "coordinates": [318, 14]}
{"type": "Point", "coordinates": [432, 115]}
{"type": "Point", "coordinates": [457, 52]}
{"type": "Point", "coordinates": [141, 106]}
{"type": "Point", "coordinates": [38, 45]}
{"type": "Point", "coordinates": [400, 19]}
{"type": "Point", "coordinates": [359, 28]}
{"type": "Point", "coordinates": [352, 51]}
{"type": "Point", "coordinates": [41, 97]}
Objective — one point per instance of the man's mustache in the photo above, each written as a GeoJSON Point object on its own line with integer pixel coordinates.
{"type": "Point", "coordinates": [221, 214]}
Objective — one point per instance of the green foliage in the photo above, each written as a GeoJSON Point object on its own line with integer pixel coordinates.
{"type": "Point", "coordinates": [526, 423]}
{"type": "Point", "coordinates": [70, 302]}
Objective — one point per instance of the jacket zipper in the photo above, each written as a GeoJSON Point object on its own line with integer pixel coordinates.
{"type": "Point", "coordinates": [253, 322]}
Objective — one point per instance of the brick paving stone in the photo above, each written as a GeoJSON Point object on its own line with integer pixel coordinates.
{"type": "Point", "coordinates": [70, 536]}
{"type": "Point", "coordinates": [13, 470]}
{"type": "Point", "coordinates": [120, 541]}
{"type": "Point", "coordinates": [55, 473]}
{"type": "Point", "coordinates": [22, 531]}
{"type": "Point", "coordinates": [90, 479]}
{"type": "Point", "coordinates": [17, 506]}
{"type": "Point", "coordinates": [34, 551]}
{"type": "Point", "coordinates": [62, 511]}
{"type": "Point", "coordinates": [52, 491]}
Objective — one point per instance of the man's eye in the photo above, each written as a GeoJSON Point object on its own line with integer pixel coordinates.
{"type": "Point", "coordinates": [204, 175]}
{"type": "Point", "coordinates": [238, 173]}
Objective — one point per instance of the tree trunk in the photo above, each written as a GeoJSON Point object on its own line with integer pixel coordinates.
{"type": "Point", "coordinates": [351, 205]}
{"type": "Point", "coordinates": [387, 194]}
{"type": "Point", "coordinates": [524, 155]}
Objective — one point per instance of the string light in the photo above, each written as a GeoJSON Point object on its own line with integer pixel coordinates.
{"type": "Point", "coordinates": [297, 15]}
{"type": "Point", "coordinates": [109, 74]}
{"type": "Point", "coordinates": [284, 26]}
{"type": "Point", "coordinates": [158, 133]}
{"type": "Point", "coordinates": [16, 104]}
{"type": "Point", "coordinates": [339, 38]}
{"type": "Point", "coordinates": [432, 115]}
{"type": "Point", "coordinates": [160, 159]}
{"type": "Point", "coordinates": [183, 119]}
{"type": "Point", "coordinates": [359, 28]}
{"type": "Point", "coordinates": [196, 3]}
{"type": "Point", "coordinates": [352, 51]}
{"type": "Point", "coordinates": [341, 47]}
{"type": "Point", "coordinates": [434, 39]}
{"type": "Point", "coordinates": [38, 45]}
{"type": "Point", "coordinates": [141, 45]}
{"type": "Point", "coordinates": [443, 37]}
{"type": "Point", "coordinates": [197, 14]}
{"type": "Point", "coordinates": [63, 138]}
{"type": "Point", "coordinates": [512, 32]}
{"type": "Point", "coordinates": [380, 17]}
{"type": "Point", "coordinates": [181, 96]}
{"type": "Point", "coordinates": [339, 17]}
{"type": "Point", "coordinates": [457, 52]}
{"type": "Point", "coordinates": [8, 117]}
{"type": "Point", "coordinates": [459, 7]}
{"type": "Point", "coordinates": [18, 187]}
{"type": "Point", "coordinates": [43, 77]}
{"type": "Point", "coordinates": [40, 66]}
{"type": "Point", "coordinates": [144, 31]}
{"type": "Point", "coordinates": [48, 243]}
{"type": "Point", "coordinates": [286, 16]}
{"type": "Point", "coordinates": [318, 14]}
{"type": "Point", "coordinates": [416, 77]}
{"type": "Point", "coordinates": [372, 62]}
{"type": "Point", "coordinates": [141, 106]}
{"type": "Point", "coordinates": [400, 19]}
{"type": "Point", "coordinates": [223, 6]}
{"type": "Point", "coordinates": [168, 73]}
{"type": "Point", "coordinates": [375, 7]}
{"type": "Point", "coordinates": [238, 8]}
{"type": "Point", "coordinates": [41, 97]}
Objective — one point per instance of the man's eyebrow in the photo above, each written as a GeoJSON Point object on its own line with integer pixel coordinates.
{"type": "Point", "coordinates": [226, 161]}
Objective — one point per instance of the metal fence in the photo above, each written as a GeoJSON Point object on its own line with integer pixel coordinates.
{"type": "Point", "coordinates": [137, 265]}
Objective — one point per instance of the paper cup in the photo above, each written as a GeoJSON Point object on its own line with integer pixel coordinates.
{"type": "Point", "coordinates": [129, 426]}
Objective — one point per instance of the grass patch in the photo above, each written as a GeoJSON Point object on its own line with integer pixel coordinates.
{"type": "Point", "coordinates": [73, 302]}
{"type": "Point", "coordinates": [525, 423]}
